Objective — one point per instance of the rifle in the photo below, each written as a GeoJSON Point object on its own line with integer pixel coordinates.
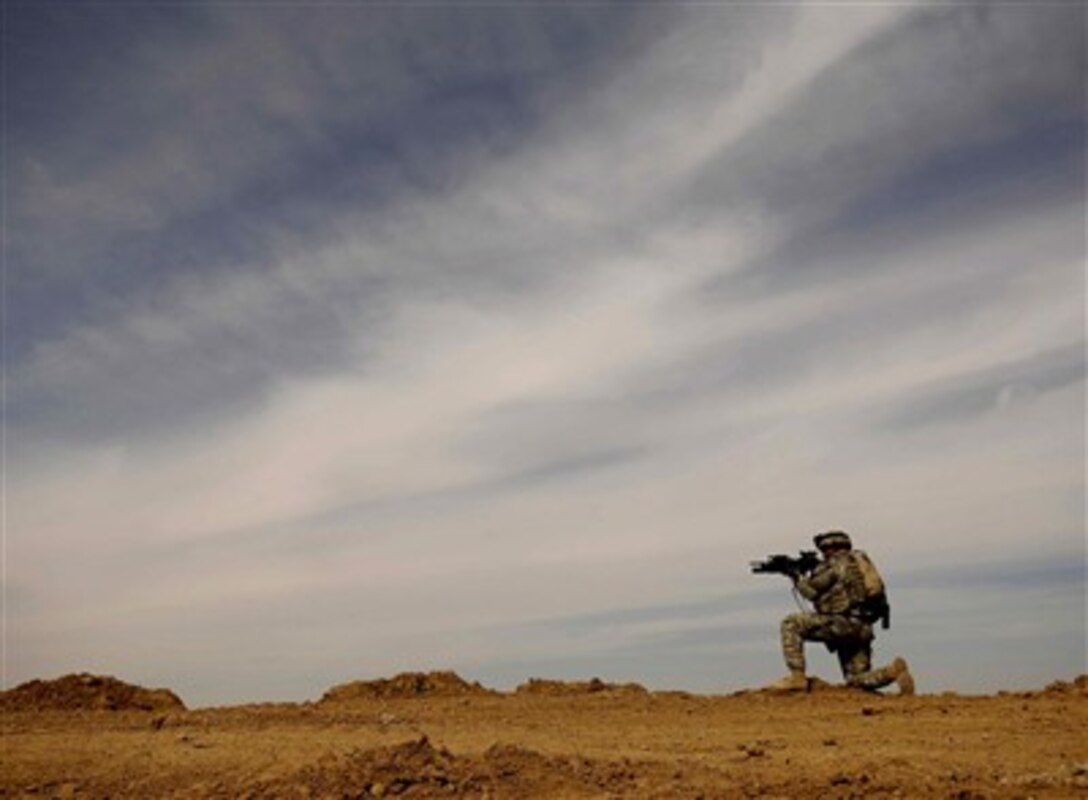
{"type": "Point", "coordinates": [787, 565]}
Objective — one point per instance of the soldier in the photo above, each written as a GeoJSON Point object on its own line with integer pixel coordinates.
{"type": "Point", "coordinates": [837, 590]}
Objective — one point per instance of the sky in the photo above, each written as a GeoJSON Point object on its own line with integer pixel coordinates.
{"type": "Point", "coordinates": [346, 339]}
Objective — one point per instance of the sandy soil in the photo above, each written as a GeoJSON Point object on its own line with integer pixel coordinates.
{"type": "Point", "coordinates": [427, 736]}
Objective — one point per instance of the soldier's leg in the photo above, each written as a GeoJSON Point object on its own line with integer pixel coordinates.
{"type": "Point", "coordinates": [856, 668]}
{"type": "Point", "coordinates": [855, 660]}
{"type": "Point", "coordinates": [895, 672]}
{"type": "Point", "coordinates": [796, 630]}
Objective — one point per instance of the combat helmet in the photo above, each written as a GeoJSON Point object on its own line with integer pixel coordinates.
{"type": "Point", "coordinates": [832, 539]}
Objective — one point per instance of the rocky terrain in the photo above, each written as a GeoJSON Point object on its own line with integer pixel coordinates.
{"type": "Point", "coordinates": [430, 735]}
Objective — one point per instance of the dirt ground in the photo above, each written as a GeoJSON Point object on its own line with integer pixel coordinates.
{"type": "Point", "coordinates": [434, 735]}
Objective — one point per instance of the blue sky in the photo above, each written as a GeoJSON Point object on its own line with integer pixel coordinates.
{"type": "Point", "coordinates": [348, 339]}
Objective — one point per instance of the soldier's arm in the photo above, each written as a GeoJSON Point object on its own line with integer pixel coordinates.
{"type": "Point", "coordinates": [813, 585]}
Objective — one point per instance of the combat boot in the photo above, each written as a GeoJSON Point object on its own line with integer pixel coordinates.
{"type": "Point", "coordinates": [794, 682]}
{"type": "Point", "coordinates": [903, 679]}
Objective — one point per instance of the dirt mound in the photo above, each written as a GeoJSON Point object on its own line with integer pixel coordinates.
{"type": "Point", "coordinates": [407, 684]}
{"type": "Point", "coordinates": [592, 686]}
{"type": "Point", "coordinates": [1078, 685]}
{"type": "Point", "coordinates": [85, 692]}
{"type": "Point", "coordinates": [815, 686]}
{"type": "Point", "coordinates": [419, 769]}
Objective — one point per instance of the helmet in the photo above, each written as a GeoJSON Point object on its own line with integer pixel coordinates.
{"type": "Point", "coordinates": [832, 539]}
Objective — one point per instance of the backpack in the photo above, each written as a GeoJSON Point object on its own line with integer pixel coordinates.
{"type": "Point", "coordinates": [872, 601]}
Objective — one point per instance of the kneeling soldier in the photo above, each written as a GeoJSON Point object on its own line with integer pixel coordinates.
{"type": "Point", "coordinates": [836, 588]}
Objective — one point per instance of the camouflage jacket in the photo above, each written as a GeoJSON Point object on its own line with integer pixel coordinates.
{"type": "Point", "coordinates": [835, 587]}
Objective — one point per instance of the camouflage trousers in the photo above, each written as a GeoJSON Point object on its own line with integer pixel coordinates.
{"type": "Point", "coordinates": [850, 640]}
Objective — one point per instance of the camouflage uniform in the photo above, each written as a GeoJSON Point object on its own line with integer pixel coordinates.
{"type": "Point", "coordinates": [833, 588]}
